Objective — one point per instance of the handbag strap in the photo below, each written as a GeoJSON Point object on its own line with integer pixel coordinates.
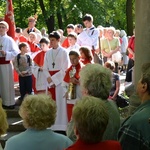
{"type": "Point", "coordinates": [108, 45]}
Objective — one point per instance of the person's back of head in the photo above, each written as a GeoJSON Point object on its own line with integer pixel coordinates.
{"type": "Point", "coordinates": [110, 64]}
{"type": "Point", "coordinates": [90, 119]}
{"type": "Point", "coordinates": [95, 80]}
{"type": "Point", "coordinates": [38, 111]}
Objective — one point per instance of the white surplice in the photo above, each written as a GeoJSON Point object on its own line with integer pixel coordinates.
{"type": "Point", "coordinates": [41, 81]}
{"type": "Point", "coordinates": [60, 58]}
{"type": "Point", "coordinates": [7, 91]}
{"type": "Point", "coordinates": [88, 37]}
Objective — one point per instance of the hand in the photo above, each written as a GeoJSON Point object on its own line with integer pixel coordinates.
{"type": "Point", "coordinates": [41, 68]}
{"type": "Point", "coordinates": [65, 96]}
{"type": "Point", "coordinates": [52, 86]}
{"type": "Point", "coordinates": [109, 55]}
{"type": "Point", "coordinates": [22, 75]}
{"type": "Point", "coordinates": [74, 80]}
{"type": "Point", "coordinates": [24, 72]}
{"type": "Point", "coordinates": [49, 80]}
{"type": "Point", "coordinates": [3, 52]}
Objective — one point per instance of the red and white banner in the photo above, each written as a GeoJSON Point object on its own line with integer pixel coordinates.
{"type": "Point", "coordinates": [9, 18]}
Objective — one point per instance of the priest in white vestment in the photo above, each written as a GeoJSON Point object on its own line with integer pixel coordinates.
{"type": "Point", "coordinates": [8, 50]}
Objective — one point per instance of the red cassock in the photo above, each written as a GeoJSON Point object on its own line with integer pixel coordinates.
{"type": "Point", "coordinates": [34, 47]}
{"type": "Point", "coordinates": [85, 61]}
{"type": "Point", "coordinates": [20, 39]}
{"type": "Point", "coordinates": [67, 79]}
{"type": "Point", "coordinates": [65, 44]}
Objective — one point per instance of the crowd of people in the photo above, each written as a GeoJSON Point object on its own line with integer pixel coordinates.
{"type": "Point", "coordinates": [70, 84]}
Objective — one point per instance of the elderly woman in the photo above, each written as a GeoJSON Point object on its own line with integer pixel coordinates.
{"type": "Point", "coordinates": [3, 121]}
{"type": "Point", "coordinates": [124, 46]}
{"type": "Point", "coordinates": [95, 80]}
{"type": "Point", "coordinates": [110, 47]}
{"type": "Point", "coordinates": [90, 120]}
{"type": "Point", "coordinates": [38, 113]}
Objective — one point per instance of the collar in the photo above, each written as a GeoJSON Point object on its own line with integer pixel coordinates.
{"type": "Point", "coordinates": [91, 28]}
{"type": "Point", "coordinates": [3, 35]}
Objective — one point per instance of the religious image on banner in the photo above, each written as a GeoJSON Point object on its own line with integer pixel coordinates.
{"type": "Point", "coordinates": [9, 18]}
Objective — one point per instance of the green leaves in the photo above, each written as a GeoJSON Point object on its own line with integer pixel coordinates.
{"type": "Point", "coordinates": [105, 12]}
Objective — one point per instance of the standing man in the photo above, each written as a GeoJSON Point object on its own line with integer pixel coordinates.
{"type": "Point", "coordinates": [55, 64]}
{"type": "Point", "coordinates": [89, 36]}
{"type": "Point", "coordinates": [8, 50]}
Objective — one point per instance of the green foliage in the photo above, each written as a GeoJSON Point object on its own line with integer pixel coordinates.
{"type": "Point", "coordinates": [2, 8]}
{"type": "Point", "coordinates": [105, 12]}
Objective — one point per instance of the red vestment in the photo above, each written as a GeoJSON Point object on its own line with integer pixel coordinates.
{"type": "Point", "coordinates": [52, 90]}
{"type": "Point", "coordinates": [85, 61]}
{"type": "Point", "coordinates": [65, 44]}
{"type": "Point", "coordinates": [67, 79]}
{"type": "Point", "coordinates": [34, 47]}
{"type": "Point", "coordinates": [39, 58]}
{"type": "Point", "coordinates": [20, 39]}
{"type": "Point", "coordinates": [104, 145]}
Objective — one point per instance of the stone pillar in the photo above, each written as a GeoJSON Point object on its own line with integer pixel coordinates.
{"type": "Point", "coordinates": [142, 34]}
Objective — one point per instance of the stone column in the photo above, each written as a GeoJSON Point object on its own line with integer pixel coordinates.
{"type": "Point", "coordinates": [142, 34]}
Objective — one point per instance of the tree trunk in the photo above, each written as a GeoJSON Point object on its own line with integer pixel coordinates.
{"type": "Point", "coordinates": [129, 16]}
{"type": "Point", "coordinates": [50, 23]}
{"type": "Point", "coordinates": [48, 20]}
{"type": "Point", "coordinates": [60, 23]}
{"type": "Point", "coordinates": [35, 6]}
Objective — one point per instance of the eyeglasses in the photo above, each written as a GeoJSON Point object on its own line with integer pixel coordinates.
{"type": "Point", "coordinates": [3, 27]}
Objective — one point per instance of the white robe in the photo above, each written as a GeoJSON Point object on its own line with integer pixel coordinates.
{"type": "Point", "coordinates": [61, 60]}
{"type": "Point", "coordinates": [89, 37]}
{"type": "Point", "coordinates": [41, 81]}
{"type": "Point", "coordinates": [7, 91]}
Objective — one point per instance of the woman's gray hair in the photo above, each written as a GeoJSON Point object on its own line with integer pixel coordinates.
{"type": "Point", "coordinates": [91, 118]}
{"type": "Point", "coordinates": [96, 80]}
{"type": "Point", "coordinates": [123, 33]}
{"type": "Point", "coordinates": [38, 111]}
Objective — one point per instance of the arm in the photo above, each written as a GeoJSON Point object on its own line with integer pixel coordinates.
{"type": "Point", "coordinates": [117, 90]}
{"type": "Point", "coordinates": [11, 49]}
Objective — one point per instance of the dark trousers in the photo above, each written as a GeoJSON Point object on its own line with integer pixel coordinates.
{"type": "Point", "coordinates": [25, 84]}
{"type": "Point", "coordinates": [129, 70]}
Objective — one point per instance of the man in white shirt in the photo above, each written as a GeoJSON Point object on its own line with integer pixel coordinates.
{"type": "Point", "coordinates": [89, 36]}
